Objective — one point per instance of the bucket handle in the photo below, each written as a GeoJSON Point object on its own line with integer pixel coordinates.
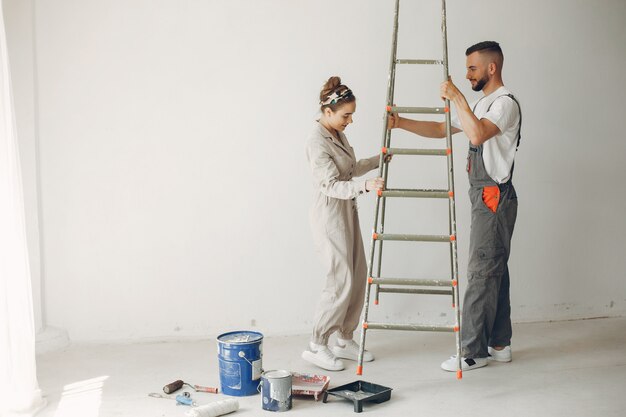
{"type": "Point", "coordinates": [242, 355]}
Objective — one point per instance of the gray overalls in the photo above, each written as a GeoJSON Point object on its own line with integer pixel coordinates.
{"type": "Point", "coordinates": [486, 317]}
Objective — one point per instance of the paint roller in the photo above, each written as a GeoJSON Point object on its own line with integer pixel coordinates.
{"type": "Point", "coordinates": [178, 384]}
{"type": "Point", "coordinates": [215, 409]}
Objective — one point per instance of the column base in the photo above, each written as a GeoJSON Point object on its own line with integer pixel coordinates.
{"type": "Point", "coordinates": [51, 339]}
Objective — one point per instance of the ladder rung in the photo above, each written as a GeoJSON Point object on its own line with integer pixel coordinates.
{"type": "Point", "coordinates": [404, 151]}
{"type": "Point", "coordinates": [415, 193]}
{"type": "Point", "coordinates": [412, 281]}
{"type": "Point", "coordinates": [414, 327]}
{"type": "Point", "coordinates": [414, 291]}
{"type": "Point", "coordinates": [420, 61]}
{"type": "Point", "coordinates": [420, 110]}
{"type": "Point", "coordinates": [414, 238]}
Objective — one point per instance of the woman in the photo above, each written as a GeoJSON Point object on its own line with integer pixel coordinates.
{"type": "Point", "coordinates": [335, 225]}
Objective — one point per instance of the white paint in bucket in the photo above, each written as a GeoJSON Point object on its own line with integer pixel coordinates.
{"type": "Point", "coordinates": [276, 390]}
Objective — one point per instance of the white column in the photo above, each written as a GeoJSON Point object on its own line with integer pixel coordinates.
{"type": "Point", "coordinates": [18, 371]}
{"type": "Point", "coordinates": [19, 17]}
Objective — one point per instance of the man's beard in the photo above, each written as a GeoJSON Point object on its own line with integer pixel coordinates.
{"type": "Point", "coordinates": [481, 83]}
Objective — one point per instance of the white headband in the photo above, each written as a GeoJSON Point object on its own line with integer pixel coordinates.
{"type": "Point", "coordinates": [334, 97]}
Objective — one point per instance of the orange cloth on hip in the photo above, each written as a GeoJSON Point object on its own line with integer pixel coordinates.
{"type": "Point", "coordinates": [491, 197]}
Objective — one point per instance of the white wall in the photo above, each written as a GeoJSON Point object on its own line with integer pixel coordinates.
{"type": "Point", "coordinates": [174, 183]}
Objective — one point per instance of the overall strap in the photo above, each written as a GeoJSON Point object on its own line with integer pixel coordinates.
{"type": "Point", "coordinates": [476, 105]}
{"type": "Point", "coordinates": [519, 130]}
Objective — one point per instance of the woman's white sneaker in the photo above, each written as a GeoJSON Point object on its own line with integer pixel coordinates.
{"type": "Point", "coordinates": [467, 364]}
{"type": "Point", "coordinates": [503, 355]}
{"type": "Point", "coordinates": [349, 349]}
{"type": "Point", "coordinates": [321, 356]}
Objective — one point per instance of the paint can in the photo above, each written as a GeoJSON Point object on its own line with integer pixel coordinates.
{"type": "Point", "coordinates": [240, 361]}
{"type": "Point", "coordinates": [276, 390]}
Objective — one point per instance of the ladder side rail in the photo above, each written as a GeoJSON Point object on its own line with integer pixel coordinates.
{"type": "Point", "coordinates": [452, 217]}
{"type": "Point", "coordinates": [387, 142]}
{"type": "Point", "coordinates": [384, 166]}
{"type": "Point", "coordinates": [382, 172]}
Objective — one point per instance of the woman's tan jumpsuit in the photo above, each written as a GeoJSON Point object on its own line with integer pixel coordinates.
{"type": "Point", "coordinates": [336, 231]}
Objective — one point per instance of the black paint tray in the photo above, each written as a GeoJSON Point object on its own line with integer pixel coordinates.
{"type": "Point", "coordinates": [360, 391]}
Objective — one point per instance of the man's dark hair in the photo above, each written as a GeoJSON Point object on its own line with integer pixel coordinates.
{"type": "Point", "coordinates": [489, 48]}
{"type": "Point", "coordinates": [485, 46]}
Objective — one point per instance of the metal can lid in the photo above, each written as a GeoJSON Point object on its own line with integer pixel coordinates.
{"type": "Point", "coordinates": [240, 337]}
{"type": "Point", "coordinates": [277, 374]}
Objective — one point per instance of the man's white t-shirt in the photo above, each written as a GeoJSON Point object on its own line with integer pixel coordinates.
{"type": "Point", "coordinates": [499, 151]}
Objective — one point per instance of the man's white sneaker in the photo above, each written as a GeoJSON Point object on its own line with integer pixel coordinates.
{"type": "Point", "coordinates": [349, 349]}
{"type": "Point", "coordinates": [322, 356]}
{"type": "Point", "coordinates": [467, 364]}
{"type": "Point", "coordinates": [503, 355]}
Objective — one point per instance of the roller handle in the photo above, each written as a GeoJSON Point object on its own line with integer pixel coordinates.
{"type": "Point", "coordinates": [199, 388]}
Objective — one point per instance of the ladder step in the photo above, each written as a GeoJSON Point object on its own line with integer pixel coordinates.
{"type": "Point", "coordinates": [413, 281]}
{"type": "Point", "coordinates": [414, 238]}
{"type": "Point", "coordinates": [420, 110]}
{"type": "Point", "coordinates": [405, 151]}
{"type": "Point", "coordinates": [414, 291]}
{"type": "Point", "coordinates": [420, 61]}
{"type": "Point", "coordinates": [414, 327]}
{"type": "Point", "coordinates": [415, 193]}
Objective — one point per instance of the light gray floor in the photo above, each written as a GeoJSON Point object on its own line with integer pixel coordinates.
{"type": "Point", "coordinates": [574, 368]}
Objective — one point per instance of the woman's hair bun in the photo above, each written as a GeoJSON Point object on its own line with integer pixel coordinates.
{"type": "Point", "coordinates": [330, 86]}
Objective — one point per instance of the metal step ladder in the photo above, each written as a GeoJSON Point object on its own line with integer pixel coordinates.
{"type": "Point", "coordinates": [408, 285]}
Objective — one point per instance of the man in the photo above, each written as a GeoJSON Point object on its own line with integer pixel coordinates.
{"type": "Point", "coordinates": [493, 126]}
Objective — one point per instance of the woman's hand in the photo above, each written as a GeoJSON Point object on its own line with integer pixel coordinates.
{"type": "Point", "coordinates": [374, 184]}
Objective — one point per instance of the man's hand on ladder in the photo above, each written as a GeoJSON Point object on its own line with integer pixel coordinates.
{"type": "Point", "coordinates": [393, 120]}
{"type": "Point", "coordinates": [448, 90]}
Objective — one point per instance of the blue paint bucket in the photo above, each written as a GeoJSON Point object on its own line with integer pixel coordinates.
{"type": "Point", "coordinates": [276, 390]}
{"type": "Point", "coordinates": [240, 359]}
